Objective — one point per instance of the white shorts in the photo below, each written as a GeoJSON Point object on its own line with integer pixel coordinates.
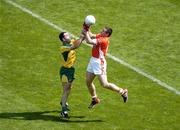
{"type": "Point", "coordinates": [97, 66]}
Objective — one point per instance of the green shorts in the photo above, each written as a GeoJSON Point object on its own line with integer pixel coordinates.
{"type": "Point", "coordinates": [67, 74]}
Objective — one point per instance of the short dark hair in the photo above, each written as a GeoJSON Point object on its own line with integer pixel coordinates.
{"type": "Point", "coordinates": [61, 36]}
{"type": "Point", "coordinates": [109, 31]}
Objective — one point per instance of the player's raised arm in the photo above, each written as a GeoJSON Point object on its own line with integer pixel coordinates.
{"type": "Point", "coordinates": [89, 39]}
{"type": "Point", "coordinates": [77, 42]}
{"type": "Point", "coordinates": [91, 34]}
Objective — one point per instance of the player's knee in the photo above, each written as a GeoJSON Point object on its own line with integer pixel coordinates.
{"type": "Point", "coordinates": [68, 85]}
{"type": "Point", "coordinates": [105, 85]}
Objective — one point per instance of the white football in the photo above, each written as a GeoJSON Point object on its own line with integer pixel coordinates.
{"type": "Point", "coordinates": [90, 20]}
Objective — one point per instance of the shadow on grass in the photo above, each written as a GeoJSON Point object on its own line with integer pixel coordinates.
{"type": "Point", "coordinates": [45, 115]}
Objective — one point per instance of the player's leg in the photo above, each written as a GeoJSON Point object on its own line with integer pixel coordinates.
{"type": "Point", "coordinates": [113, 87]}
{"type": "Point", "coordinates": [106, 84]}
{"type": "Point", "coordinates": [67, 77]}
{"type": "Point", "coordinates": [92, 90]}
{"type": "Point", "coordinates": [66, 92]}
{"type": "Point", "coordinates": [89, 82]}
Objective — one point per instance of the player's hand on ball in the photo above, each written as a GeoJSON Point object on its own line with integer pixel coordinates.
{"type": "Point", "coordinates": [88, 21]}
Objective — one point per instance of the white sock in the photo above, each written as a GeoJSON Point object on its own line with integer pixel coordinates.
{"type": "Point", "coordinates": [94, 96]}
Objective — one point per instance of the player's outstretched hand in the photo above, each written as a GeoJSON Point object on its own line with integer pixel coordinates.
{"type": "Point", "coordinates": [86, 27]}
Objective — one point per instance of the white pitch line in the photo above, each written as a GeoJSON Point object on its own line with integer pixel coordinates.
{"type": "Point", "coordinates": [144, 74]}
{"type": "Point", "coordinates": [162, 84]}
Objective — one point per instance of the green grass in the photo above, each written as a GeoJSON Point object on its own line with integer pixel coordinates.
{"type": "Point", "coordinates": [146, 34]}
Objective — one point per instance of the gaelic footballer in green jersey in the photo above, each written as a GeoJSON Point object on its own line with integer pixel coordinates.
{"type": "Point", "coordinates": [67, 70]}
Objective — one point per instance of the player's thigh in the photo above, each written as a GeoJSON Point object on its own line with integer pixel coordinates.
{"type": "Point", "coordinates": [103, 79]}
{"type": "Point", "coordinates": [90, 77]}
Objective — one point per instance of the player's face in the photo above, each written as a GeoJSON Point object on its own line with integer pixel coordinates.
{"type": "Point", "coordinates": [67, 37]}
{"type": "Point", "coordinates": [104, 33]}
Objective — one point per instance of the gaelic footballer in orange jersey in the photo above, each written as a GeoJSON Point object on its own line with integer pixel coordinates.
{"type": "Point", "coordinates": [97, 65]}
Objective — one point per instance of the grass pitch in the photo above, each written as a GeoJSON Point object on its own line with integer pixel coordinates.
{"type": "Point", "coordinates": [146, 35]}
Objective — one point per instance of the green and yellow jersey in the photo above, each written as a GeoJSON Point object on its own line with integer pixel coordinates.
{"type": "Point", "coordinates": [68, 56]}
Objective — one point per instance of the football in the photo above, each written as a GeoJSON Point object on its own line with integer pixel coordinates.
{"type": "Point", "coordinates": [90, 20]}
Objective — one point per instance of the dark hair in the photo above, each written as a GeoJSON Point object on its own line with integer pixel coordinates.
{"type": "Point", "coordinates": [109, 31]}
{"type": "Point", "coordinates": [61, 36]}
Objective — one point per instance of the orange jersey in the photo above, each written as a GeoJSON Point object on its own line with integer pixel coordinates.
{"type": "Point", "coordinates": [100, 50]}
